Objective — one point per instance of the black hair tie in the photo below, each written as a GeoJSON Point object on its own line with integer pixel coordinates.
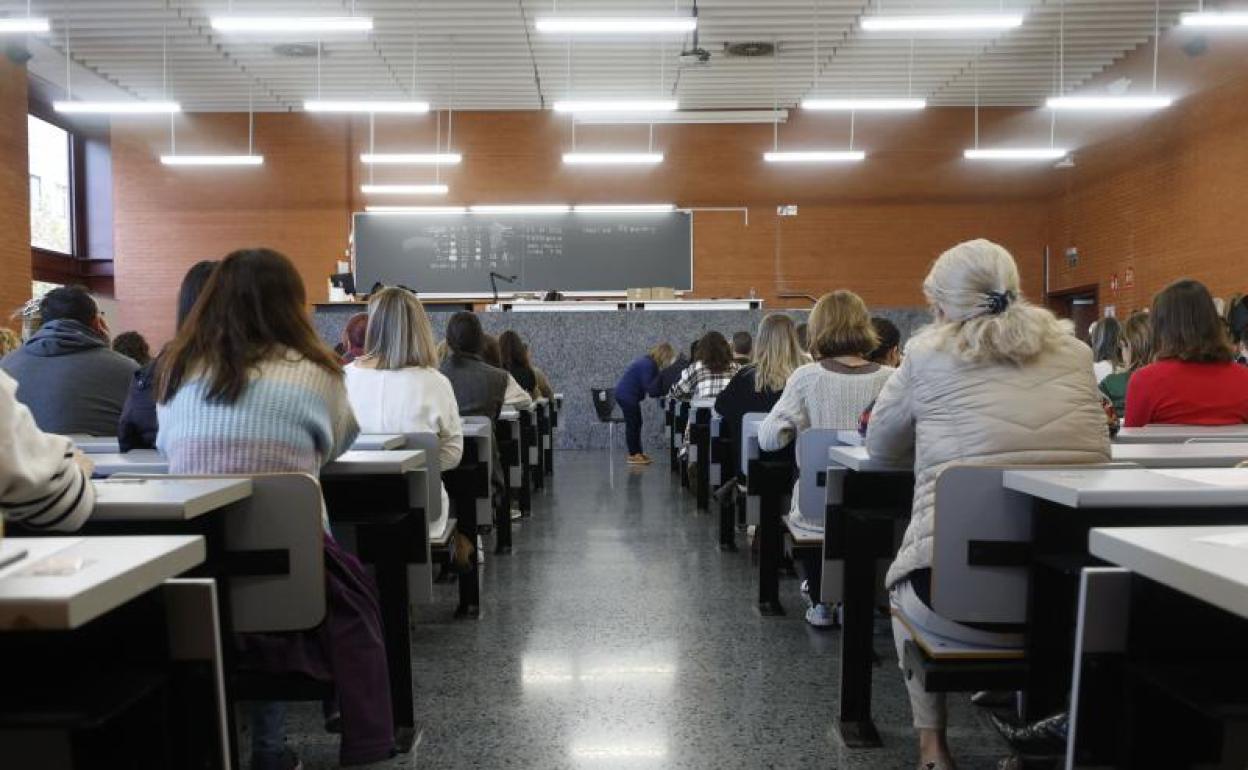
{"type": "Point", "coordinates": [996, 302]}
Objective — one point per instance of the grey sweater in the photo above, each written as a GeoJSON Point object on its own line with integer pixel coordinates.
{"type": "Point", "coordinates": [70, 380]}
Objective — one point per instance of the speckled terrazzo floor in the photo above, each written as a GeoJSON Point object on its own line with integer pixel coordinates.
{"type": "Point", "coordinates": [617, 636]}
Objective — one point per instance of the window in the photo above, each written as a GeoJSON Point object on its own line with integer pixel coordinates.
{"type": "Point", "coordinates": [51, 224]}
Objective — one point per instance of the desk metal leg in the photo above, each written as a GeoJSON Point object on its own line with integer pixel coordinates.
{"type": "Point", "coordinates": [392, 587]}
{"type": "Point", "coordinates": [727, 525]}
{"type": "Point", "coordinates": [701, 435]}
{"type": "Point", "coordinates": [853, 723]}
{"type": "Point", "coordinates": [770, 549]}
{"type": "Point", "coordinates": [503, 517]}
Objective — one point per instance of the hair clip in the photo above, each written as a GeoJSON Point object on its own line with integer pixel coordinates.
{"type": "Point", "coordinates": [996, 302]}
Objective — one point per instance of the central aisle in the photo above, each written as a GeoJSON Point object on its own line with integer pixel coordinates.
{"type": "Point", "coordinates": [617, 635]}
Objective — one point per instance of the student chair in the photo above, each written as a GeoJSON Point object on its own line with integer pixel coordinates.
{"type": "Point", "coordinates": [604, 407]}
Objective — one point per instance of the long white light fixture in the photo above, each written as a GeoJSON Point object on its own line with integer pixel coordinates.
{"type": "Point", "coordinates": [212, 160]}
{"type": "Point", "coordinates": [984, 22]}
{"type": "Point", "coordinates": [24, 25]}
{"type": "Point", "coordinates": [815, 156]}
{"type": "Point", "coordinates": [416, 210]}
{"type": "Point", "coordinates": [404, 189]}
{"type": "Point", "coordinates": [411, 159]}
{"type": "Point", "coordinates": [1109, 103]}
{"type": "Point", "coordinates": [522, 208]}
{"type": "Point", "coordinates": [1015, 153]}
{"type": "Point", "coordinates": [367, 106]}
{"type": "Point", "coordinates": [863, 105]}
{"type": "Point", "coordinates": [609, 25]}
{"type": "Point", "coordinates": [701, 117]}
{"type": "Point", "coordinates": [116, 108]}
{"type": "Point", "coordinates": [613, 158]}
{"type": "Point", "coordinates": [624, 208]}
{"type": "Point", "coordinates": [616, 105]}
{"type": "Point", "coordinates": [1215, 19]}
{"type": "Point", "coordinates": [292, 24]}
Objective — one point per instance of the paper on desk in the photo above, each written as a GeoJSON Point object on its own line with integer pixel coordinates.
{"type": "Point", "coordinates": [1232, 539]}
{"type": "Point", "coordinates": [1234, 478]}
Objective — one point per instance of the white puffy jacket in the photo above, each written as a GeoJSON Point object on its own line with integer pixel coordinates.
{"type": "Point", "coordinates": [1045, 411]}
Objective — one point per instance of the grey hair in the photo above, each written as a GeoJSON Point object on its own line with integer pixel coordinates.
{"type": "Point", "coordinates": [964, 287]}
{"type": "Point", "coordinates": [399, 334]}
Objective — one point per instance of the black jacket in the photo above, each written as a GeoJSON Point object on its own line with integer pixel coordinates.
{"type": "Point", "coordinates": [138, 426]}
{"type": "Point", "coordinates": [668, 377]}
{"type": "Point", "coordinates": [735, 401]}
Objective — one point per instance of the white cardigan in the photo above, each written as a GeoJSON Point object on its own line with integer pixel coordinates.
{"type": "Point", "coordinates": [412, 400]}
{"type": "Point", "coordinates": [41, 486]}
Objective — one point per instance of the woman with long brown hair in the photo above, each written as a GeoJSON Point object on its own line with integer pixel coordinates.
{"type": "Point", "coordinates": [246, 387]}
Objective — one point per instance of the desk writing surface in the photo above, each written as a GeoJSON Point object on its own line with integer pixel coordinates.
{"type": "Point", "coordinates": [112, 571]}
{"type": "Point", "coordinates": [136, 461]}
{"type": "Point", "coordinates": [95, 444]}
{"type": "Point", "coordinates": [1174, 455]}
{"type": "Point", "coordinates": [478, 430]}
{"type": "Point", "coordinates": [1130, 487]}
{"type": "Point", "coordinates": [702, 403]}
{"type": "Point", "coordinates": [509, 414]}
{"type": "Point", "coordinates": [376, 441]}
{"type": "Point", "coordinates": [381, 463]}
{"type": "Point", "coordinates": [167, 499]}
{"type": "Point", "coordinates": [856, 459]}
{"type": "Point", "coordinates": [1178, 434]}
{"type": "Point", "coordinates": [1208, 563]}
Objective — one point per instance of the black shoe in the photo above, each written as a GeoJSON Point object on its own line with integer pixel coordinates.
{"type": "Point", "coordinates": [993, 698]}
{"type": "Point", "coordinates": [286, 759]}
{"type": "Point", "coordinates": [1046, 737]}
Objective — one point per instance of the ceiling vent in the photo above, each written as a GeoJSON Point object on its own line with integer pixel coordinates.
{"type": "Point", "coordinates": [296, 50]}
{"type": "Point", "coordinates": [750, 50]}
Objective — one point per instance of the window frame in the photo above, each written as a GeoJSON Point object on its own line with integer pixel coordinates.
{"type": "Point", "coordinates": [77, 203]}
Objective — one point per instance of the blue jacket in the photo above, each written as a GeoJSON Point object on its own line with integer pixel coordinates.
{"type": "Point", "coordinates": [633, 384]}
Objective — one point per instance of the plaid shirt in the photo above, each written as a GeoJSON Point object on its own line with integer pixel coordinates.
{"type": "Point", "coordinates": [699, 382]}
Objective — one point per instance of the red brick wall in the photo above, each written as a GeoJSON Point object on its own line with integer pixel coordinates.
{"type": "Point", "coordinates": [14, 192]}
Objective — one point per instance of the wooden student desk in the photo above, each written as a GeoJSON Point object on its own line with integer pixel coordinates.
{"type": "Point", "coordinates": [1218, 454]}
{"type": "Point", "coordinates": [1179, 434]}
{"type": "Point", "coordinates": [1165, 627]}
{"type": "Point", "coordinates": [171, 499]}
{"type": "Point", "coordinates": [95, 444]}
{"type": "Point", "coordinates": [859, 529]}
{"type": "Point", "coordinates": [143, 461]}
{"type": "Point", "coordinates": [1066, 506]}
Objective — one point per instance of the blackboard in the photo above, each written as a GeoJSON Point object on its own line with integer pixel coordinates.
{"type": "Point", "coordinates": [453, 254]}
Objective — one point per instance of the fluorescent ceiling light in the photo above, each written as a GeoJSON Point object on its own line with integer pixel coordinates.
{"type": "Point", "coordinates": [17, 26]}
{"type": "Point", "coordinates": [212, 160]}
{"type": "Point", "coordinates": [613, 158]}
{"type": "Point", "coordinates": [292, 24]}
{"type": "Point", "coordinates": [686, 117]}
{"type": "Point", "coordinates": [1109, 103]}
{"type": "Point", "coordinates": [523, 208]}
{"type": "Point", "coordinates": [590, 25]}
{"type": "Point", "coordinates": [1215, 19]}
{"type": "Point", "coordinates": [404, 189]}
{"type": "Point", "coordinates": [416, 209]}
{"type": "Point", "coordinates": [116, 108]}
{"type": "Point", "coordinates": [616, 105]}
{"type": "Point", "coordinates": [624, 208]}
{"type": "Point", "coordinates": [326, 105]}
{"type": "Point", "coordinates": [411, 159]}
{"type": "Point", "coordinates": [944, 23]}
{"type": "Point", "coordinates": [1016, 153]}
{"type": "Point", "coordinates": [863, 105]}
{"type": "Point", "coordinates": [816, 156]}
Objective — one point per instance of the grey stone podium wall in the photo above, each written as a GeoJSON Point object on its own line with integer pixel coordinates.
{"type": "Point", "coordinates": [580, 351]}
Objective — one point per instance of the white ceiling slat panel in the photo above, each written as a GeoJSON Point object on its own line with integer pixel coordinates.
{"type": "Point", "coordinates": [485, 54]}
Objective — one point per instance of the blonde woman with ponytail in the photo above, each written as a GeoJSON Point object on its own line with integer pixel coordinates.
{"type": "Point", "coordinates": [994, 379]}
{"type": "Point", "coordinates": [757, 386]}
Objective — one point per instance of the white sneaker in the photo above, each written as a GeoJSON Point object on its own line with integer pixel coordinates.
{"type": "Point", "coordinates": [516, 514]}
{"type": "Point", "coordinates": [821, 616]}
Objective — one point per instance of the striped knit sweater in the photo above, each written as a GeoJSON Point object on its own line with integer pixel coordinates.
{"type": "Point", "coordinates": [41, 487]}
{"type": "Point", "coordinates": [293, 417]}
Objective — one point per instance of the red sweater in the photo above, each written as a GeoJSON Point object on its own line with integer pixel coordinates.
{"type": "Point", "coordinates": [1184, 393]}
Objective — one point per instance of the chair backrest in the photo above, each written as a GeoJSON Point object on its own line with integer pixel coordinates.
{"type": "Point", "coordinates": [750, 423]}
{"type": "Point", "coordinates": [978, 519]}
{"type": "Point", "coordinates": [604, 403]}
{"type": "Point", "coordinates": [430, 481]}
{"type": "Point", "coordinates": [812, 466]}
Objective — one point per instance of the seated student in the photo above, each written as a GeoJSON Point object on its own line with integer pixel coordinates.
{"type": "Point", "coordinates": [712, 368]}
{"type": "Point", "coordinates": [1193, 379]}
{"type": "Point", "coordinates": [803, 340]}
{"type": "Point", "coordinates": [65, 373]}
{"type": "Point", "coordinates": [1106, 354]}
{"type": "Point", "coordinates": [1135, 347]}
{"type": "Point", "coordinates": [514, 357]}
{"type": "Point", "coordinates": [670, 374]}
{"type": "Point", "coordinates": [1237, 323]}
{"type": "Point", "coordinates": [138, 426]}
{"type": "Point", "coordinates": [888, 352]}
{"type": "Point", "coordinates": [994, 379]}
{"type": "Point", "coordinates": [632, 389]}
{"type": "Point", "coordinates": [516, 395]}
{"type": "Point", "coordinates": [9, 341]}
{"type": "Point", "coordinates": [757, 386]}
{"type": "Point", "coordinates": [742, 346]}
{"type": "Point", "coordinates": [395, 386]}
{"type": "Point", "coordinates": [246, 387]}
{"type": "Point", "coordinates": [353, 337]}
{"type": "Point", "coordinates": [134, 347]}
{"type": "Point", "coordinates": [45, 483]}
{"type": "Point", "coordinates": [830, 393]}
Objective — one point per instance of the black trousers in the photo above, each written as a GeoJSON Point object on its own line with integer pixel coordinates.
{"type": "Point", "coordinates": [632, 426]}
